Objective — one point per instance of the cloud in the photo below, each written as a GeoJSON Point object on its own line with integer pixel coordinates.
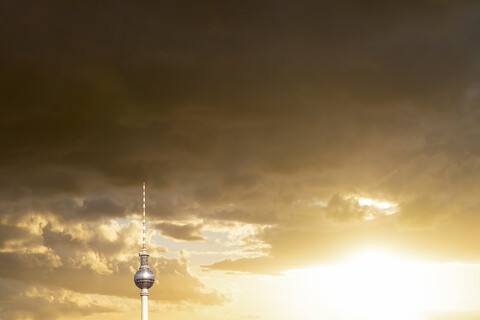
{"type": "Point", "coordinates": [10, 233]}
{"type": "Point", "coordinates": [92, 263]}
{"type": "Point", "coordinates": [344, 209]}
{"type": "Point", "coordinates": [21, 301]}
{"type": "Point", "coordinates": [260, 265]}
{"type": "Point", "coordinates": [422, 212]}
{"type": "Point", "coordinates": [185, 232]}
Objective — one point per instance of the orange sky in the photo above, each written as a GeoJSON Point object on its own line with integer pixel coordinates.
{"type": "Point", "coordinates": [313, 160]}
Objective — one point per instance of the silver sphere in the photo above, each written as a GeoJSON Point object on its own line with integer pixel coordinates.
{"type": "Point", "coordinates": [144, 278]}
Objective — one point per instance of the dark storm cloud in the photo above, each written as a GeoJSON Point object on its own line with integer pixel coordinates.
{"type": "Point", "coordinates": [94, 207]}
{"type": "Point", "coordinates": [89, 208]}
{"type": "Point", "coordinates": [212, 90]}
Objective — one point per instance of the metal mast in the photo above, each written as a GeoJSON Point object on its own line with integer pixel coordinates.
{"type": "Point", "coordinates": [144, 277]}
{"type": "Point", "coordinates": [144, 243]}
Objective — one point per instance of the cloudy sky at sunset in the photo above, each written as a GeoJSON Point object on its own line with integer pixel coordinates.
{"type": "Point", "coordinates": [304, 160]}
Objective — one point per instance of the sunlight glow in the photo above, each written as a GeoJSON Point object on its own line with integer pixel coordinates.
{"type": "Point", "coordinates": [377, 206]}
{"type": "Point", "coordinates": [375, 203]}
{"type": "Point", "coordinates": [370, 285]}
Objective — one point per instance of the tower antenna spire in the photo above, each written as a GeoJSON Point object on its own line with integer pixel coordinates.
{"type": "Point", "coordinates": [144, 277]}
{"type": "Point", "coordinates": [144, 243]}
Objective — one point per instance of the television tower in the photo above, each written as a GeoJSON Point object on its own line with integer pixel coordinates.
{"type": "Point", "coordinates": [144, 277]}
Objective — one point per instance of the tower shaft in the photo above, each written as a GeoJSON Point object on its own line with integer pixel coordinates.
{"type": "Point", "coordinates": [144, 295]}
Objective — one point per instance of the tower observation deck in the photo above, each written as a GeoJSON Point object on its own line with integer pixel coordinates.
{"type": "Point", "coordinates": [144, 277]}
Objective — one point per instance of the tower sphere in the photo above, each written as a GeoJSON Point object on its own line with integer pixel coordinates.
{"type": "Point", "coordinates": [144, 278]}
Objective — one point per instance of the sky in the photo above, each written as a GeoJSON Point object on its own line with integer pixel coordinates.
{"type": "Point", "coordinates": [303, 159]}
